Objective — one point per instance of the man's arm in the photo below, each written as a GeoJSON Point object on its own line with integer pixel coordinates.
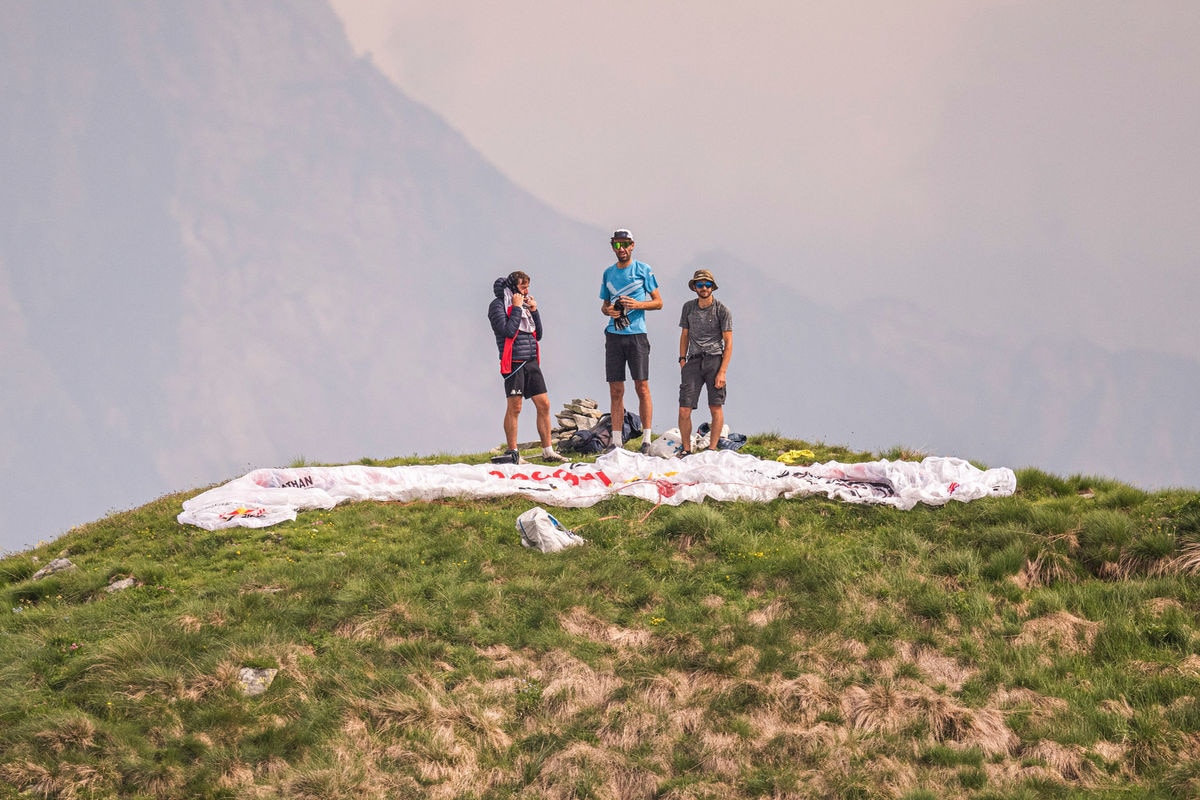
{"type": "Point", "coordinates": [719, 381]}
{"type": "Point", "coordinates": [504, 324]}
{"type": "Point", "coordinates": [654, 303]}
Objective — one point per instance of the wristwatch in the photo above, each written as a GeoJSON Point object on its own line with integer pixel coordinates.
{"type": "Point", "coordinates": [683, 358]}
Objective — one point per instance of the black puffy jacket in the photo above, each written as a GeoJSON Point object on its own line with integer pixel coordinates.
{"type": "Point", "coordinates": [513, 343]}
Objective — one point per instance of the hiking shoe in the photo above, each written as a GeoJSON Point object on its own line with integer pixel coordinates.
{"type": "Point", "coordinates": [608, 449]}
{"type": "Point", "coordinates": [554, 458]}
{"type": "Point", "coordinates": [645, 449]}
{"type": "Point", "coordinates": [509, 457]}
{"type": "Point", "coordinates": [683, 454]}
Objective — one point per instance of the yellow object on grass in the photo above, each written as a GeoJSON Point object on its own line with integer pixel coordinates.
{"type": "Point", "coordinates": [792, 456]}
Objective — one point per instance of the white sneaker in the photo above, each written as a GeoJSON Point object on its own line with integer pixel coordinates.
{"type": "Point", "coordinates": [554, 458]}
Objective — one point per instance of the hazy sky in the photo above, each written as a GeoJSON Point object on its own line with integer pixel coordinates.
{"type": "Point", "coordinates": [1029, 168]}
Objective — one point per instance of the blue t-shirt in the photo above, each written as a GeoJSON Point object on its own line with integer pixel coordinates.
{"type": "Point", "coordinates": [636, 281]}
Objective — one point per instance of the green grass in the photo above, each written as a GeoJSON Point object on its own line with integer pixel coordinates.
{"type": "Point", "coordinates": [1043, 645]}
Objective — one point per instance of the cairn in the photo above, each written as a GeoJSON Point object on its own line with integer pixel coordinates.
{"type": "Point", "coordinates": [579, 414]}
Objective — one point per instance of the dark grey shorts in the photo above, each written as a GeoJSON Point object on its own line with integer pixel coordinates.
{"type": "Point", "coordinates": [700, 371]}
{"type": "Point", "coordinates": [626, 348]}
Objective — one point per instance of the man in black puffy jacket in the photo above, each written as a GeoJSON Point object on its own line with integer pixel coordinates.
{"type": "Point", "coordinates": [518, 328]}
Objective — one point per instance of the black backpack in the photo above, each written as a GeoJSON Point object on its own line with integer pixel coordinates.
{"type": "Point", "coordinates": [596, 439]}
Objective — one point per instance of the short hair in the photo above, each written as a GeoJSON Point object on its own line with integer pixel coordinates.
{"type": "Point", "coordinates": [518, 276]}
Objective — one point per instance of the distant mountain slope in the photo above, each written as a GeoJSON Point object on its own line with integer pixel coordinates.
{"type": "Point", "coordinates": [228, 241]}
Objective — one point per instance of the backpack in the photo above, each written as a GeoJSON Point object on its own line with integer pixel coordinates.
{"type": "Point", "coordinates": [598, 438]}
{"type": "Point", "coordinates": [541, 531]}
{"type": "Point", "coordinates": [592, 440]}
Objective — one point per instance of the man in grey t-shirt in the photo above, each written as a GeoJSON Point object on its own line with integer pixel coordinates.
{"type": "Point", "coordinates": [705, 347]}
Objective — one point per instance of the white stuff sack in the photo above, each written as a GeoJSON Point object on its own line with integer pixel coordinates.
{"type": "Point", "coordinates": [540, 530]}
{"type": "Point", "coordinates": [667, 444]}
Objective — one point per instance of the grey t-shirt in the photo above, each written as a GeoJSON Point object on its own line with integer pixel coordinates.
{"type": "Point", "coordinates": [705, 326]}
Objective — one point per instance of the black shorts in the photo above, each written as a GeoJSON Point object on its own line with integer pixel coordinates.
{"type": "Point", "coordinates": [525, 380]}
{"type": "Point", "coordinates": [700, 371]}
{"type": "Point", "coordinates": [626, 348]}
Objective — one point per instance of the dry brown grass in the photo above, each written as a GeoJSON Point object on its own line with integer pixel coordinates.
{"type": "Point", "coordinates": [374, 758]}
{"type": "Point", "coordinates": [1187, 562]}
{"type": "Point", "coordinates": [802, 698]}
{"type": "Point", "coordinates": [580, 622]}
{"type": "Point", "coordinates": [627, 728]}
{"type": "Point", "coordinates": [1190, 666]}
{"type": "Point", "coordinates": [941, 714]}
{"type": "Point", "coordinates": [705, 790]}
{"type": "Point", "coordinates": [585, 764]}
{"type": "Point", "coordinates": [380, 626]}
{"type": "Point", "coordinates": [986, 729]}
{"type": "Point", "coordinates": [936, 668]}
{"type": "Point", "coordinates": [505, 660]}
{"type": "Point", "coordinates": [466, 714]}
{"type": "Point", "coordinates": [767, 614]}
{"type": "Point", "coordinates": [64, 781]}
{"type": "Point", "coordinates": [1065, 631]}
{"type": "Point", "coordinates": [1069, 762]}
{"type": "Point", "coordinates": [892, 776]}
{"type": "Point", "coordinates": [1019, 697]}
{"type": "Point", "coordinates": [881, 709]}
{"type": "Point", "coordinates": [76, 732]}
{"type": "Point", "coordinates": [440, 744]}
{"type": "Point", "coordinates": [1046, 569]}
{"type": "Point", "coordinates": [571, 686]}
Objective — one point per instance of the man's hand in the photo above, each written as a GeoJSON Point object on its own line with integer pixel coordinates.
{"type": "Point", "coordinates": [518, 299]}
{"type": "Point", "coordinates": [530, 303]}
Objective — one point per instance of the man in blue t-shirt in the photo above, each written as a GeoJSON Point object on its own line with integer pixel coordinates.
{"type": "Point", "coordinates": [627, 291]}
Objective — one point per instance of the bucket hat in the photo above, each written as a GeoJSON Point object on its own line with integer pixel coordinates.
{"type": "Point", "coordinates": [702, 275]}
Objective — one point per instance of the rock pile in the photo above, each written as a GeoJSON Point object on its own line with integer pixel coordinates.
{"type": "Point", "coordinates": [579, 414]}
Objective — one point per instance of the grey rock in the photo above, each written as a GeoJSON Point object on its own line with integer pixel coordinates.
{"type": "Point", "coordinates": [255, 681]}
{"type": "Point", "coordinates": [583, 411]}
{"type": "Point", "coordinates": [57, 565]}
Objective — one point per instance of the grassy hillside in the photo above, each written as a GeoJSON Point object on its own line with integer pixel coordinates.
{"type": "Point", "coordinates": [1043, 645]}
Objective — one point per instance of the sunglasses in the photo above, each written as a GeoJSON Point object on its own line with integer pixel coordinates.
{"type": "Point", "coordinates": [704, 284]}
{"type": "Point", "coordinates": [621, 245]}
